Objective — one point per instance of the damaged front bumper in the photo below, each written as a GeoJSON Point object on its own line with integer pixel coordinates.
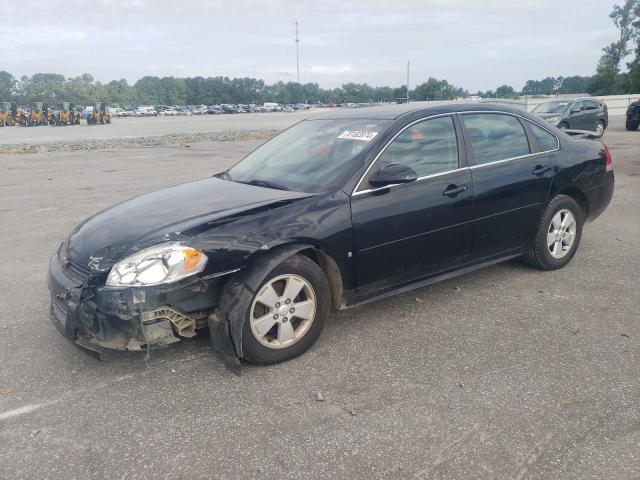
{"type": "Point", "coordinates": [96, 317]}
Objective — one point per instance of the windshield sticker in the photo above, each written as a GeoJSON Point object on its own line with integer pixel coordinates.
{"type": "Point", "coordinates": [364, 135]}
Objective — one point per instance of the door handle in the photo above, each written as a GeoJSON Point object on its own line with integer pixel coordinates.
{"type": "Point", "coordinates": [453, 190]}
{"type": "Point", "coordinates": [540, 170]}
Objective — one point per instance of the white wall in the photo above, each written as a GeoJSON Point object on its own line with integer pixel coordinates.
{"type": "Point", "coordinates": [617, 104]}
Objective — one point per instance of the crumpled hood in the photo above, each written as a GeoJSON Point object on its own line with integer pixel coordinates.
{"type": "Point", "coordinates": [164, 215]}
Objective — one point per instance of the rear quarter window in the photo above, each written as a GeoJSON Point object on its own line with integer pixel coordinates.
{"type": "Point", "coordinates": [495, 137]}
{"type": "Point", "coordinates": [589, 105]}
{"type": "Point", "coordinates": [546, 140]}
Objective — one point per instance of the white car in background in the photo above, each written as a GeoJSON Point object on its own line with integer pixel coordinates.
{"type": "Point", "coordinates": [146, 112]}
{"type": "Point", "coordinates": [169, 112]}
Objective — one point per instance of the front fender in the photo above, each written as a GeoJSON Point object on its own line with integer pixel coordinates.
{"type": "Point", "coordinates": [225, 326]}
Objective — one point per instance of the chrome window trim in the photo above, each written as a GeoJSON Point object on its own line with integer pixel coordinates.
{"type": "Point", "coordinates": [473, 167]}
{"type": "Point", "coordinates": [439, 174]}
{"type": "Point", "coordinates": [355, 191]}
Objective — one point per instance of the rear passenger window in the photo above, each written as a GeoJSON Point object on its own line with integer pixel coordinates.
{"type": "Point", "coordinates": [578, 107]}
{"type": "Point", "coordinates": [546, 140]}
{"type": "Point", "coordinates": [428, 147]}
{"type": "Point", "coordinates": [495, 137]}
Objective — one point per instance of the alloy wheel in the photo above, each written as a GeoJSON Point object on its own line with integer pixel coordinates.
{"type": "Point", "coordinates": [561, 233]}
{"type": "Point", "coordinates": [283, 310]}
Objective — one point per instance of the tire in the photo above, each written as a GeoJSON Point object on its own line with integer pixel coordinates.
{"type": "Point", "coordinates": [298, 269]}
{"type": "Point", "coordinates": [600, 128]}
{"type": "Point", "coordinates": [542, 256]}
{"type": "Point", "coordinates": [563, 126]}
{"type": "Point", "coordinates": [632, 125]}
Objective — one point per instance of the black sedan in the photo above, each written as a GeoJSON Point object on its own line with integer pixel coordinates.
{"type": "Point", "coordinates": [338, 210]}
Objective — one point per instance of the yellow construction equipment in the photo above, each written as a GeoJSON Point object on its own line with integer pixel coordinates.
{"type": "Point", "coordinates": [68, 115]}
{"type": "Point", "coordinates": [39, 115]}
{"type": "Point", "coordinates": [11, 115]}
{"type": "Point", "coordinates": [7, 113]}
{"type": "Point", "coordinates": [100, 114]}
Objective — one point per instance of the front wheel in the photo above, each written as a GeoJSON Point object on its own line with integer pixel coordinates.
{"type": "Point", "coordinates": [558, 235]}
{"type": "Point", "coordinates": [287, 312]}
{"type": "Point", "coordinates": [632, 125]}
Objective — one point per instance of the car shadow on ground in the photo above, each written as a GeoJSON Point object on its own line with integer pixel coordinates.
{"type": "Point", "coordinates": [341, 324]}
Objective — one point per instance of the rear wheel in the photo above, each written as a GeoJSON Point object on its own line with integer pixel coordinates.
{"type": "Point", "coordinates": [599, 128]}
{"type": "Point", "coordinates": [632, 125]}
{"type": "Point", "coordinates": [287, 312]}
{"type": "Point", "coordinates": [558, 236]}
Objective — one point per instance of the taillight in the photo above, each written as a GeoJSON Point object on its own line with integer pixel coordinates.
{"type": "Point", "coordinates": [606, 109]}
{"type": "Point", "coordinates": [608, 161]}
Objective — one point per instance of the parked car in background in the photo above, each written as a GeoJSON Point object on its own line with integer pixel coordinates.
{"type": "Point", "coordinates": [169, 112]}
{"type": "Point", "coordinates": [633, 116]}
{"type": "Point", "coordinates": [88, 110]}
{"type": "Point", "coordinates": [333, 212]}
{"type": "Point", "coordinates": [580, 114]}
{"type": "Point", "coordinates": [116, 111]}
{"type": "Point", "coordinates": [271, 107]}
{"type": "Point", "coordinates": [146, 112]}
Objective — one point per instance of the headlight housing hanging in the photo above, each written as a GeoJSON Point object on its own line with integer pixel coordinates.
{"type": "Point", "coordinates": [165, 263]}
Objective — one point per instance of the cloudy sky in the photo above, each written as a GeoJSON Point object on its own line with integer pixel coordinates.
{"type": "Point", "coordinates": [474, 44]}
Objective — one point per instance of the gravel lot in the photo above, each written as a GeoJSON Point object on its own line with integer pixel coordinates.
{"type": "Point", "coordinates": [507, 372]}
{"type": "Point", "coordinates": [148, 131]}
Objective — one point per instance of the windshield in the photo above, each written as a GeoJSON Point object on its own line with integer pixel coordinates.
{"type": "Point", "coordinates": [311, 156]}
{"type": "Point", "coordinates": [551, 107]}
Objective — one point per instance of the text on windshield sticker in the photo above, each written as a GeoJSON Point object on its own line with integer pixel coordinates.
{"type": "Point", "coordinates": [364, 135]}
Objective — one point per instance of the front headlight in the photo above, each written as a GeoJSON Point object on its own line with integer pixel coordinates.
{"type": "Point", "coordinates": [164, 263]}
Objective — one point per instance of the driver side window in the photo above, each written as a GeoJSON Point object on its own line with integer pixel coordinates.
{"type": "Point", "coordinates": [427, 147]}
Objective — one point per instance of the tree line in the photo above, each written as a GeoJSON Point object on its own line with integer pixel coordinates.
{"type": "Point", "coordinates": [610, 78]}
{"type": "Point", "coordinates": [53, 87]}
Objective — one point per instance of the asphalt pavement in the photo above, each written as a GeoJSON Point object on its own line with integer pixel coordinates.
{"type": "Point", "coordinates": [508, 372]}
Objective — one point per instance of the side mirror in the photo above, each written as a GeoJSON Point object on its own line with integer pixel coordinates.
{"type": "Point", "coordinates": [393, 174]}
{"type": "Point", "coordinates": [575, 110]}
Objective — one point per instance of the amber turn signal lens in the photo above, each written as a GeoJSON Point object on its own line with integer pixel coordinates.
{"type": "Point", "coordinates": [191, 258]}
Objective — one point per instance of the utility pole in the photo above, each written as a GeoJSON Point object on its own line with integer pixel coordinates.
{"type": "Point", "coordinates": [297, 52]}
{"type": "Point", "coordinates": [407, 82]}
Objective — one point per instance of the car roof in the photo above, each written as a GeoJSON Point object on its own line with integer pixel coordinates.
{"type": "Point", "coordinates": [394, 112]}
{"type": "Point", "coordinates": [571, 100]}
